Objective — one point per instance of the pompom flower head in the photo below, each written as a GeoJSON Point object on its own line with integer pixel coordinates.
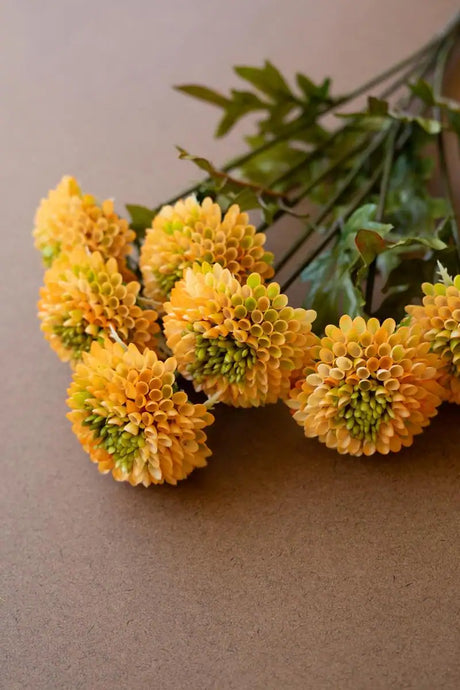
{"type": "Point", "coordinates": [237, 343]}
{"type": "Point", "coordinates": [131, 419]}
{"type": "Point", "coordinates": [191, 232]}
{"type": "Point", "coordinates": [67, 219]}
{"type": "Point", "coordinates": [83, 298]}
{"type": "Point", "coordinates": [372, 388]}
{"type": "Point", "coordinates": [439, 320]}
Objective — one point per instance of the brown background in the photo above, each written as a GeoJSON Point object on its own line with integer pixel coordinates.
{"type": "Point", "coordinates": [281, 565]}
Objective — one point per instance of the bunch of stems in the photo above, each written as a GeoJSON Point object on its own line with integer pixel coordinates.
{"type": "Point", "coordinates": [431, 59]}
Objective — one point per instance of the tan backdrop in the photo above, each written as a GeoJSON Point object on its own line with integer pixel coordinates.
{"type": "Point", "coordinates": [281, 565]}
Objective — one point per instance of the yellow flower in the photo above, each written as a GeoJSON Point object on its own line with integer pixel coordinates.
{"type": "Point", "coordinates": [439, 321]}
{"type": "Point", "coordinates": [83, 297]}
{"type": "Point", "coordinates": [129, 416]}
{"type": "Point", "coordinates": [190, 232]}
{"type": "Point", "coordinates": [372, 387]}
{"type": "Point", "coordinates": [67, 219]}
{"type": "Point", "coordinates": [237, 343]}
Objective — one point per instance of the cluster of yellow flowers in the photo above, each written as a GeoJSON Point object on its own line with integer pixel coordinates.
{"type": "Point", "coordinates": [202, 308]}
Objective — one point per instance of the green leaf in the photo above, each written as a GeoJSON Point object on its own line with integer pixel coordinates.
{"type": "Point", "coordinates": [312, 91]}
{"type": "Point", "coordinates": [370, 244]}
{"type": "Point", "coordinates": [335, 276]}
{"type": "Point", "coordinates": [141, 219]}
{"type": "Point", "coordinates": [380, 110]}
{"type": "Point", "coordinates": [242, 103]}
{"type": "Point", "coordinates": [267, 79]}
{"type": "Point", "coordinates": [429, 125]}
{"type": "Point", "coordinates": [247, 200]}
{"type": "Point", "coordinates": [377, 106]}
{"type": "Point", "coordinates": [204, 94]}
{"type": "Point", "coordinates": [364, 219]}
{"type": "Point", "coordinates": [331, 291]}
{"type": "Point", "coordinates": [431, 242]}
{"type": "Point", "coordinates": [423, 90]}
{"type": "Point", "coordinates": [199, 161]}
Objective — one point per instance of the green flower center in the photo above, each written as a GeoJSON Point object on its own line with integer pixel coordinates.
{"type": "Point", "coordinates": [50, 252]}
{"type": "Point", "coordinates": [221, 357]}
{"type": "Point", "coordinates": [122, 445]}
{"type": "Point", "coordinates": [369, 405]}
{"type": "Point", "coordinates": [166, 281]}
{"type": "Point", "coordinates": [74, 338]}
{"type": "Point", "coordinates": [448, 348]}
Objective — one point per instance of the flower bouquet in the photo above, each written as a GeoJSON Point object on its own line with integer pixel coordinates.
{"type": "Point", "coordinates": [182, 307]}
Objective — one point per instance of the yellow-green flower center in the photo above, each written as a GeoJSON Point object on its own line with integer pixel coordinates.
{"type": "Point", "coordinates": [122, 445]}
{"type": "Point", "coordinates": [221, 357]}
{"type": "Point", "coordinates": [448, 348]}
{"type": "Point", "coordinates": [369, 405]}
{"type": "Point", "coordinates": [49, 252]}
{"type": "Point", "coordinates": [166, 281]}
{"type": "Point", "coordinates": [74, 338]}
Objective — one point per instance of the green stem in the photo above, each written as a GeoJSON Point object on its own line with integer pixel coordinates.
{"type": "Point", "coordinates": [385, 169]}
{"type": "Point", "coordinates": [343, 187]}
{"type": "Point", "coordinates": [335, 227]}
{"type": "Point", "coordinates": [441, 144]}
{"type": "Point", "coordinates": [388, 162]}
{"type": "Point", "coordinates": [388, 91]}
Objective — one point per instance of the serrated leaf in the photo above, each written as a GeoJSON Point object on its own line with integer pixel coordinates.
{"type": "Point", "coordinates": [267, 79]}
{"type": "Point", "coordinates": [312, 91]}
{"type": "Point", "coordinates": [242, 103]}
{"type": "Point", "coordinates": [204, 94]}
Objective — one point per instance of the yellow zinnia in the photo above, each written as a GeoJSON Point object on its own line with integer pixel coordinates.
{"type": "Point", "coordinates": [67, 219]}
{"type": "Point", "coordinates": [239, 343]}
{"type": "Point", "coordinates": [371, 389]}
{"type": "Point", "coordinates": [191, 232]}
{"type": "Point", "coordinates": [439, 321]}
{"type": "Point", "coordinates": [83, 298]}
{"type": "Point", "coordinates": [129, 416]}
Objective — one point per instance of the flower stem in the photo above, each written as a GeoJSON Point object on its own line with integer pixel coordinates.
{"type": "Point", "coordinates": [335, 227]}
{"type": "Point", "coordinates": [441, 143]}
{"type": "Point", "coordinates": [388, 91]}
{"type": "Point", "coordinates": [343, 187]}
{"type": "Point", "coordinates": [388, 162]}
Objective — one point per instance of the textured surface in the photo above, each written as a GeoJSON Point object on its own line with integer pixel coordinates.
{"type": "Point", "coordinates": [281, 564]}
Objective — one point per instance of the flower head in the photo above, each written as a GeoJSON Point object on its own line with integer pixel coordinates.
{"type": "Point", "coordinates": [129, 416]}
{"type": "Point", "coordinates": [190, 232]}
{"type": "Point", "coordinates": [237, 343]}
{"type": "Point", "coordinates": [371, 389]}
{"type": "Point", "coordinates": [439, 320]}
{"type": "Point", "coordinates": [83, 298]}
{"type": "Point", "coordinates": [67, 219]}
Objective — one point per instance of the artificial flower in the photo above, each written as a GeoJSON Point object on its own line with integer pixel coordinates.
{"type": "Point", "coordinates": [130, 417]}
{"type": "Point", "coordinates": [67, 219]}
{"type": "Point", "coordinates": [239, 343]}
{"type": "Point", "coordinates": [372, 387]}
{"type": "Point", "coordinates": [191, 232]}
{"type": "Point", "coordinates": [439, 321]}
{"type": "Point", "coordinates": [84, 298]}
